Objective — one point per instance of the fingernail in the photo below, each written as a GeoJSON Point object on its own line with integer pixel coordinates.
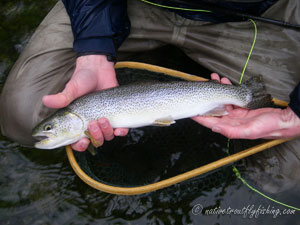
{"type": "Point", "coordinates": [104, 124]}
{"type": "Point", "coordinates": [216, 129]}
{"type": "Point", "coordinates": [94, 127]}
{"type": "Point", "coordinates": [119, 133]}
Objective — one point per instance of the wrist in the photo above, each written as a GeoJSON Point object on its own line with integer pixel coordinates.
{"type": "Point", "coordinates": [94, 61]}
{"type": "Point", "coordinates": [289, 120]}
{"type": "Point", "coordinates": [110, 57]}
{"type": "Point", "coordinates": [97, 68]}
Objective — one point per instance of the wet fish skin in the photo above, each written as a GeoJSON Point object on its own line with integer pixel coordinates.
{"type": "Point", "coordinates": [151, 103]}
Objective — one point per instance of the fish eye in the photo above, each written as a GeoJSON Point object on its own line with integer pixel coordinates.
{"type": "Point", "coordinates": [47, 127]}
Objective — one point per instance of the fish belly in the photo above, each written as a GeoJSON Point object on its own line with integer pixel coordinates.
{"type": "Point", "coordinates": [146, 118]}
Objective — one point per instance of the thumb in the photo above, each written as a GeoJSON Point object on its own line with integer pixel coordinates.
{"type": "Point", "coordinates": [63, 98]}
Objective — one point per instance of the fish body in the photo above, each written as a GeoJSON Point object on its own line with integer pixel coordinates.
{"type": "Point", "coordinates": [153, 103]}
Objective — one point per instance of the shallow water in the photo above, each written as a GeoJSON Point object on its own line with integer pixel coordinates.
{"type": "Point", "coordinates": [40, 187]}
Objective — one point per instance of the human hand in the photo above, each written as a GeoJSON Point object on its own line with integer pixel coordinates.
{"type": "Point", "coordinates": [92, 73]}
{"type": "Point", "coordinates": [269, 123]}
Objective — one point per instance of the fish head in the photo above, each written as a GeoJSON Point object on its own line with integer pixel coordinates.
{"type": "Point", "coordinates": [61, 129]}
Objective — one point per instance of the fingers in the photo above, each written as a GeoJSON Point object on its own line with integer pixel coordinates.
{"type": "Point", "coordinates": [99, 131]}
{"type": "Point", "coordinates": [121, 131]}
{"type": "Point", "coordinates": [81, 145]}
{"type": "Point", "coordinates": [206, 121]}
{"type": "Point", "coordinates": [57, 101]}
{"type": "Point", "coordinates": [225, 80]}
{"type": "Point", "coordinates": [232, 132]}
{"type": "Point", "coordinates": [229, 108]}
{"type": "Point", "coordinates": [96, 133]}
{"type": "Point", "coordinates": [63, 98]}
{"type": "Point", "coordinates": [216, 77]}
{"type": "Point", "coordinates": [81, 83]}
{"type": "Point", "coordinates": [247, 130]}
{"type": "Point", "coordinates": [229, 128]}
{"type": "Point", "coordinates": [217, 125]}
{"type": "Point", "coordinates": [239, 132]}
{"type": "Point", "coordinates": [107, 130]}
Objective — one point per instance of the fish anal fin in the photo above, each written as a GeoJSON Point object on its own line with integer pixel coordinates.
{"type": "Point", "coordinates": [163, 122]}
{"type": "Point", "coordinates": [217, 111]}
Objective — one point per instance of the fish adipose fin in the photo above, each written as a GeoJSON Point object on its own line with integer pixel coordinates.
{"type": "Point", "coordinates": [260, 97]}
{"type": "Point", "coordinates": [163, 122]}
{"type": "Point", "coordinates": [218, 111]}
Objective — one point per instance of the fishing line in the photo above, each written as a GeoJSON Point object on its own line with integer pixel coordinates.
{"type": "Point", "coordinates": [251, 50]}
{"type": "Point", "coordinates": [177, 8]}
{"type": "Point", "coordinates": [239, 176]}
{"type": "Point", "coordinates": [234, 169]}
{"type": "Point", "coordinates": [216, 9]}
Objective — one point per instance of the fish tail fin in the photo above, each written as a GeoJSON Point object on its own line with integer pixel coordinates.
{"type": "Point", "coordinates": [260, 97]}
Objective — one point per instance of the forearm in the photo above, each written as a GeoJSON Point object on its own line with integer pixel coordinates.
{"type": "Point", "coordinates": [288, 124]}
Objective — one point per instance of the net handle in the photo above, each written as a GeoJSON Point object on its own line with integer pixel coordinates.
{"type": "Point", "coordinates": [179, 178]}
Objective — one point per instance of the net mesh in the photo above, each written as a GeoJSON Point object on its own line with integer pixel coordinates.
{"type": "Point", "coordinates": [150, 154]}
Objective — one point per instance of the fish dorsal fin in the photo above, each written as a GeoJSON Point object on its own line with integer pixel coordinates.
{"type": "Point", "coordinates": [217, 111]}
{"type": "Point", "coordinates": [162, 122]}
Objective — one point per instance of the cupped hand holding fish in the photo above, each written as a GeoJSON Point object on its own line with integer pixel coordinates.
{"type": "Point", "coordinates": [241, 123]}
{"type": "Point", "coordinates": [92, 73]}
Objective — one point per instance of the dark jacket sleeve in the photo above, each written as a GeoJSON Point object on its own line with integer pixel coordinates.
{"type": "Point", "coordinates": [99, 26]}
{"type": "Point", "coordinates": [295, 100]}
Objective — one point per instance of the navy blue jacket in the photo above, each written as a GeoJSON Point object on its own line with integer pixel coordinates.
{"type": "Point", "coordinates": [100, 27]}
{"type": "Point", "coordinates": [295, 100]}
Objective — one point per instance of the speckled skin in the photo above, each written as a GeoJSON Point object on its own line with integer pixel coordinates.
{"type": "Point", "coordinates": [141, 104]}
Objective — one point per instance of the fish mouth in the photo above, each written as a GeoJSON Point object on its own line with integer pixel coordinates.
{"type": "Point", "coordinates": [43, 139]}
{"type": "Point", "coordinates": [40, 137]}
{"type": "Point", "coordinates": [51, 141]}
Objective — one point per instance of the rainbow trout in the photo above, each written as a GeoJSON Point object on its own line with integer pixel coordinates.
{"type": "Point", "coordinates": [153, 103]}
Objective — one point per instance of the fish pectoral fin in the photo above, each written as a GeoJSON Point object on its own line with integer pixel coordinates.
{"type": "Point", "coordinates": [94, 143]}
{"type": "Point", "coordinates": [217, 111]}
{"type": "Point", "coordinates": [91, 149]}
{"type": "Point", "coordinates": [162, 122]}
